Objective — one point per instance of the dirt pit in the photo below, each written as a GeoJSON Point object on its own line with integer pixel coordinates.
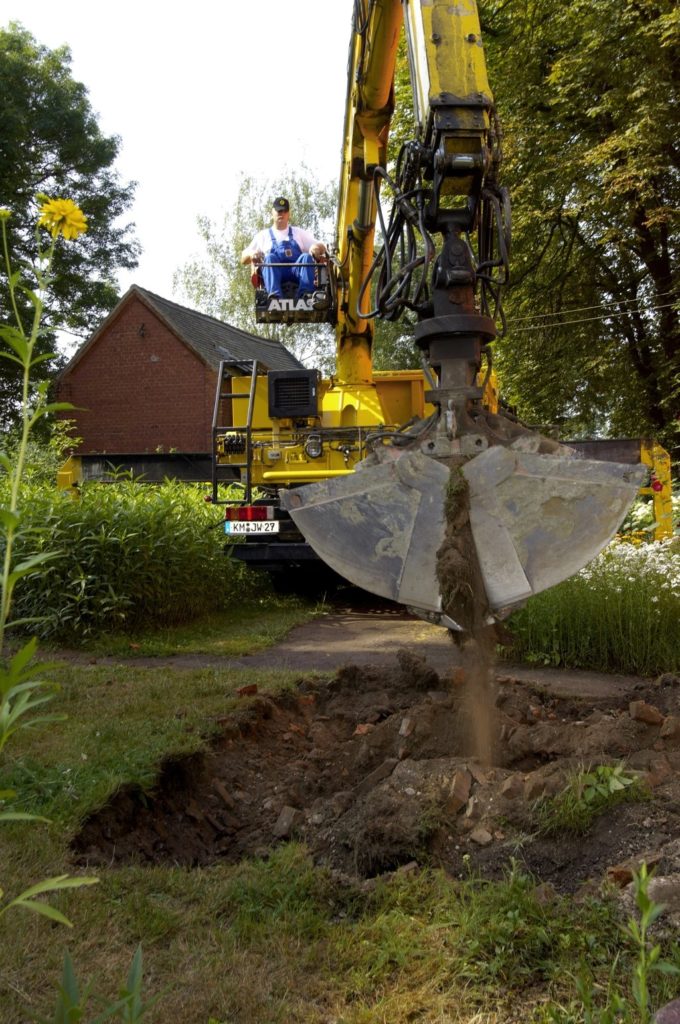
{"type": "Point", "coordinates": [377, 769]}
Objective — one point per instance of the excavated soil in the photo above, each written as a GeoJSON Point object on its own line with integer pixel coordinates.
{"type": "Point", "coordinates": [384, 766]}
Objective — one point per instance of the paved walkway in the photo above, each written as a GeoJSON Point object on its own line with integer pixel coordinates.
{"type": "Point", "coordinates": [334, 640]}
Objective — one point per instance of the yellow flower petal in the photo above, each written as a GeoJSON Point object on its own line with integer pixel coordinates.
{"type": "Point", "coordinates": [62, 217]}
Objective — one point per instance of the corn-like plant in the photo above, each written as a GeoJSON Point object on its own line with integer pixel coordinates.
{"type": "Point", "coordinates": [129, 554]}
{"type": "Point", "coordinates": [71, 1003]}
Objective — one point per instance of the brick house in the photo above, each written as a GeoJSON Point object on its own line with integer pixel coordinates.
{"type": "Point", "coordinates": [145, 381]}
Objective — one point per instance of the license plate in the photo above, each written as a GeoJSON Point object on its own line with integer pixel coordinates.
{"type": "Point", "coordinates": [264, 526]}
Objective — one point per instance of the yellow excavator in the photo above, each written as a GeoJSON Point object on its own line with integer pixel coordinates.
{"type": "Point", "coordinates": [368, 471]}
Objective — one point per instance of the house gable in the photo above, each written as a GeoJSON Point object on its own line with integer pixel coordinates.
{"type": "Point", "coordinates": [137, 387]}
{"type": "Point", "coordinates": [145, 381]}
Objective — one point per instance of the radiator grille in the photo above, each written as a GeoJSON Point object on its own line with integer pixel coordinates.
{"type": "Point", "coordinates": [293, 393]}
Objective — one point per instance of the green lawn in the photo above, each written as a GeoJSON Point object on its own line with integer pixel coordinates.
{"type": "Point", "coordinates": [275, 940]}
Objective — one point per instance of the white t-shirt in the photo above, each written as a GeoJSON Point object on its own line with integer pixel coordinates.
{"type": "Point", "coordinates": [262, 242]}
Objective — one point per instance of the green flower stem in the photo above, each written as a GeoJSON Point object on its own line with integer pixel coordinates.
{"type": "Point", "coordinates": [5, 249]}
{"type": "Point", "coordinates": [28, 418]}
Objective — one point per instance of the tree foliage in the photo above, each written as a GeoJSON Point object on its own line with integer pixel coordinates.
{"type": "Point", "coordinates": [220, 286]}
{"type": "Point", "coordinates": [588, 97]}
{"type": "Point", "coordinates": [50, 143]}
{"type": "Point", "coordinates": [587, 93]}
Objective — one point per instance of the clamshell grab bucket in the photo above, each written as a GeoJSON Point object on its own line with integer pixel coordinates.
{"type": "Point", "coordinates": [538, 519]}
{"type": "Point", "coordinates": [379, 528]}
{"type": "Point", "coordinates": [535, 521]}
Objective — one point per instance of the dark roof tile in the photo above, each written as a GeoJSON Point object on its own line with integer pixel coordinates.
{"type": "Point", "coordinates": [215, 341]}
{"type": "Point", "coordinates": [212, 340]}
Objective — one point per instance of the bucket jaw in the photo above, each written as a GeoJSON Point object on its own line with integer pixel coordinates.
{"type": "Point", "coordinates": [538, 519]}
{"type": "Point", "coordinates": [379, 528]}
{"type": "Point", "coordinates": [535, 520]}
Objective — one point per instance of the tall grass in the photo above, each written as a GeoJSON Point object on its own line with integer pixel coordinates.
{"type": "Point", "coordinates": [619, 614]}
{"type": "Point", "coordinates": [128, 555]}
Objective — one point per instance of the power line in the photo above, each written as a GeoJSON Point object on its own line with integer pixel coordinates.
{"type": "Point", "coordinates": [590, 319]}
{"type": "Point", "coordinates": [584, 309]}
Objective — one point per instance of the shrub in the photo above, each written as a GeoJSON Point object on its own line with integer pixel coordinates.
{"type": "Point", "coordinates": [640, 518]}
{"type": "Point", "coordinates": [618, 614]}
{"type": "Point", "coordinates": [128, 554]}
{"type": "Point", "coordinates": [44, 455]}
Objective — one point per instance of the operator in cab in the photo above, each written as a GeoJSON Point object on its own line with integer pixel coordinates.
{"type": "Point", "coordinates": [283, 253]}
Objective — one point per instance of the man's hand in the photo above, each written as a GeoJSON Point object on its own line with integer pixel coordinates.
{"type": "Point", "coordinates": [256, 258]}
{"type": "Point", "coordinates": [318, 251]}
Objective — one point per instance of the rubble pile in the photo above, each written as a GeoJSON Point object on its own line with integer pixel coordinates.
{"type": "Point", "coordinates": [380, 768]}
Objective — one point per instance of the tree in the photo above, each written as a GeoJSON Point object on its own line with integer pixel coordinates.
{"type": "Point", "coordinates": [220, 286]}
{"type": "Point", "coordinates": [50, 143]}
{"type": "Point", "coordinates": [588, 96]}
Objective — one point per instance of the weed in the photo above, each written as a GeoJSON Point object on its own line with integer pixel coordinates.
{"type": "Point", "coordinates": [587, 794]}
{"type": "Point", "coordinates": [23, 689]}
{"type": "Point", "coordinates": [607, 1003]}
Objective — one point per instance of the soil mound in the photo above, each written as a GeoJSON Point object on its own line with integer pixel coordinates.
{"type": "Point", "coordinates": [378, 768]}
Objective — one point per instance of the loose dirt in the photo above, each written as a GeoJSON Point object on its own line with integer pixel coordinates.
{"type": "Point", "coordinates": [379, 767]}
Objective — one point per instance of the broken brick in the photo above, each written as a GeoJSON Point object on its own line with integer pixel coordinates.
{"type": "Point", "coordinates": [459, 791]}
{"type": "Point", "coordinates": [643, 712]}
{"type": "Point", "coordinates": [671, 727]}
{"type": "Point", "coordinates": [458, 676]}
{"type": "Point", "coordinates": [285, 822]}
{"type": "Point", "coordinates": [364, 728]}
{"type": "Point", "coordinates": [220, 788]}
{"type": "Point", "coordinates": [513, 787]}
{"type": "Point", "coordinates": [377, 775]}
{"type": "Point", "coordinates": [247, 691]}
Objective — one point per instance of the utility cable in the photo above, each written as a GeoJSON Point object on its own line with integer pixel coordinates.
{"type": "Point", "coordinates": [583, 309]}
{"type": "Point", "coordinates": [591, 319]}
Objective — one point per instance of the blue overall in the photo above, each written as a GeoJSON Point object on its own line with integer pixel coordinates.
{"type": "Point", "coordinates": [301, 269]}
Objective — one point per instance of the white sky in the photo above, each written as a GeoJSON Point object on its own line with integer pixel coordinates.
{"type": "Point", "coordinates": [201, 95]}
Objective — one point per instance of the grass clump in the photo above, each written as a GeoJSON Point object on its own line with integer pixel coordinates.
{"type": "Point", "coordinates": [618, 614]}
{"type": "Point", "coordinates": [67, 773]}
{"type": "Point", "coordinates": [588, 793]}
{"type": "Point", "coordinates": [244, 628]}
{"type": "Point", "coordinates": [125, 555]}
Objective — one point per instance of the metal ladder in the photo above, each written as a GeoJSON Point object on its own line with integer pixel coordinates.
{"type": "Point", "coordinates": [219, 471]}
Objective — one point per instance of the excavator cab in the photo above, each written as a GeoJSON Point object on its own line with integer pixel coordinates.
{"type": "Point", "coordinates": [317, 306]}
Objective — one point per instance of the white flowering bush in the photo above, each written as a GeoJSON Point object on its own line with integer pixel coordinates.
{"type": "Point", "coordinates": [641, 516]}
{"type": "Point", "coordinates": [621, 613]}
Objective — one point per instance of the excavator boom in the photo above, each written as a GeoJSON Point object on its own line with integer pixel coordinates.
{"type": "Point", "coordinates": [535, 512]}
